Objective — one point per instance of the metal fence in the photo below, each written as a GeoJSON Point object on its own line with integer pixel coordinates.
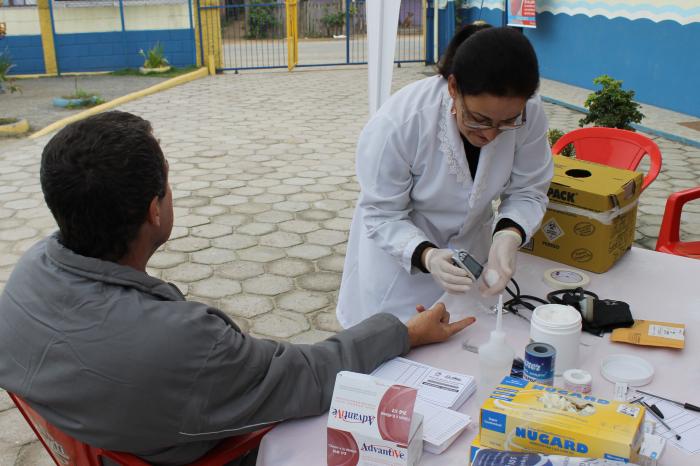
{"type": "Point", "coordinates": [253, 34]}
{"type": "Point", "coordinates": [256, 34]}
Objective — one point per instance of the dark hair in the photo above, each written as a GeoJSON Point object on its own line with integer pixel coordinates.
{"type": "Point", "coordinates": [491, 60]}
{"type": "Point", "coordinates": [99, 176]}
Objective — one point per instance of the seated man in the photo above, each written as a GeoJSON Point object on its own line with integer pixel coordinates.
{"type": "Point", "coordinates": [119, 359]}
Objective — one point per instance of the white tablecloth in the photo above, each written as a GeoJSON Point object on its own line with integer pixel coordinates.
{"type": "Point", "coordinates": [657, 286]}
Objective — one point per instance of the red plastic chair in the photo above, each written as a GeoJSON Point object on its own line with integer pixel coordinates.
{"type": "Point", "coordinates": [614, 147]}
{"type": "Point", "coordinates": [68, 451]}
{"type": "Point", "coordinates": [669, 235]}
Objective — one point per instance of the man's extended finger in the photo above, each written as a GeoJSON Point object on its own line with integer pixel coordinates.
{"type": "Point", "coordinates": [438, 307]}
{"type": "Point", "coordinates": [420, 308]}
{"type": "Point", "coordinates": [460, 325]}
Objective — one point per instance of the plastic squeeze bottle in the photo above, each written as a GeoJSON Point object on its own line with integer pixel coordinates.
{"type": "Point", "coordinates": [496, 355]}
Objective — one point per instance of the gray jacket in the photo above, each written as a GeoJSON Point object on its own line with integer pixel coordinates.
{"type": "Point", "coordinates": [120, 360]}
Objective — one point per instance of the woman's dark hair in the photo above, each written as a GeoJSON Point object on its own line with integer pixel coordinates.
{"type": "Point", "coordinates": [491, 60]}
{"type": "Point", "coordinates": [99, 176]}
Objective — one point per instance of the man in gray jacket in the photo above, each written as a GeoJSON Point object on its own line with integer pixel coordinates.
{"type": "Point", "coordinates": [119, 359]}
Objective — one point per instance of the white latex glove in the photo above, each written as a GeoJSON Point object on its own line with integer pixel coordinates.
{"type": "Point", "coordinates": [451, 278]}
{"type": "Point", "coordinates": [501, 264]}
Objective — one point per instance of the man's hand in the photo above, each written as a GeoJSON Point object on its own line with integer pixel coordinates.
{"type": "Point", "coordinates": [433, 325]}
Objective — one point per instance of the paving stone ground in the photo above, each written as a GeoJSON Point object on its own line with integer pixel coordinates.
{"type": "Point", "coordinates": [262, 171]}
{"type": "Point", "coordinates": [35, 102]}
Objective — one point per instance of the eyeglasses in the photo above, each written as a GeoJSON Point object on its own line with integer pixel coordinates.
{"type": "Point", "coordinates": [470, 122]}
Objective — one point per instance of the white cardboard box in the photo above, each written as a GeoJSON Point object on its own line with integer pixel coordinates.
{"type": "Point", "coordinates": [372, 422]}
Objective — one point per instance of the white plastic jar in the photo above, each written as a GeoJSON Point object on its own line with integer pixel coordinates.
{"type": "Point", "coordinates": [560, 326]}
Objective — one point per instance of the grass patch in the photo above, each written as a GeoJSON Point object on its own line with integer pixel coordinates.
{"type": "Point", "coordinates": [171, 73]}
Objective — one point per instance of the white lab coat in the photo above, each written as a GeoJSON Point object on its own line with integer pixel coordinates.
{"type": "Point", "coordinates": [416, 186]}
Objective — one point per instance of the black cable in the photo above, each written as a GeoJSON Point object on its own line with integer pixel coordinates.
{"type": "Point", "coordinates": [521, 300]}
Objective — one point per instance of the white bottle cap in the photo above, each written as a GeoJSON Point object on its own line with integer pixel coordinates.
{"type": "Point", "coordinates": [633, 370]}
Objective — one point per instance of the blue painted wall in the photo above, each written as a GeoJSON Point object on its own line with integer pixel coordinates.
{"type": "Point", "coordinates": [108, 51]}
{"type": "Point", "coordinates": [27, 53]}
{"type": "Point", "coordinates": [658, 60]}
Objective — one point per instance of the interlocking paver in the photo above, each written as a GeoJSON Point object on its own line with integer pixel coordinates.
{"type": "Point", "coordinates": [263, 216]}
{"type": "Point", "coordinates": [302, 301]}
{"type": "Point", "coordinates": [280, 324]}
{"type": "Point", "coordinates": [13, 428]}
{"type": "Point", "coordinates": [256, 229]}
{"type": "Point", "coordinates": [212, 230]}
{"type": "Point", "coordinates": [234, 241]}
{"type": "Point", "coordinates": [327, 321]}
{"type": "Point", "coordinates": [215, 288]}
{"type": "Point", "coordinates": [326, 237]}
{"type": "Point", "coordinates": [247, 305]}
{"type": "Point", "coordinates": [261, 254]}
{"type": "Point", "coordinates": [188, 272]}
{"type": "Point", "coordinates": [280, 239]}
{"type": "Point", "coordinates": [320, 281]}
{"type": "Point", "coordinates": [308, 251]}
{"type": "Point", "coordinates": [290, 267]}
{"type": "Point", "coordinates": [240, 270]}
{"type": "Point", "coordinates": [213, 256]}
{"type": "Point", "coordinates": [268, 285]}
{"type": "Point", "coordinates": [166, 259]}
{"type": "Point", "coordinates": [316, 215]}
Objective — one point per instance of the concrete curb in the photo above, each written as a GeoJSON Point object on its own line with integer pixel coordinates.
{"type": "Point", "coordinates": [15, 129]}
{"type": "Point", "coordinates": [642, 128]}
{"type": "Point", "coordinates": [185, 78]}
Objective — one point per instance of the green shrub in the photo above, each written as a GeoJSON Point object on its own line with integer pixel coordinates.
{"type": "Point", "coordinates": [261, 20]}
{"type": "Point", "coordinates": [155, 57]}
{"type": "Point", "coordinates": [611, 106]}
{"type": "Point", "coordinates": [332, 21]}
{"type": "Point", "coordinates": [554, 135]}
{"type": "Point", "coordinates": [7, 83]}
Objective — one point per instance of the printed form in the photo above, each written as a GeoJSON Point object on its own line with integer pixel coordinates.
{"type": "Point", "coordinates": [686, 423]}
{"type": "Point", "coordinates": [438, 390]}
{"type": "Point", "coordinates": [440, 387]}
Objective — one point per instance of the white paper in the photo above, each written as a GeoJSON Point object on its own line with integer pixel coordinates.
{"type": "Point", "coordinates": [440, 424]}
{"type": "Point", "coordinates": [437, 386]}
{"type": "Point", "coordinates": [664, 331]}
{"type": "Point", "coordinates": [382, 26]}
{"type": "Point", "coordinates": [683, 421]}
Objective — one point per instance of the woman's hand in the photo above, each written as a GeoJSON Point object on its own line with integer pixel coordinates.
{"type": "Point", "coordinates": [451, 278]}
{"type": "Point", "coordinates": [501, 265]}
{"type": "Point", "coordinates": [433, 325]}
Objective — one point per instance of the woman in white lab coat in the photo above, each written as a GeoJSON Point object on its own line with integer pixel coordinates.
{"type": "Point", "coordinates": [431, 161]}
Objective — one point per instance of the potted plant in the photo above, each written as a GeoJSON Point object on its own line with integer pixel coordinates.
{"type": "Point", "coordinates": [9, 125]}
{"type": "Point", "coordinates": [154, 60]}
{"type": "Point", "coordinates": [78, 99]}
{"type": "Point", "coordinates": [611, 106]}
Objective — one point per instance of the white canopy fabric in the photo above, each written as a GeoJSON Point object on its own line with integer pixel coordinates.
{"type": "Point", "coordinates": [382, 26]}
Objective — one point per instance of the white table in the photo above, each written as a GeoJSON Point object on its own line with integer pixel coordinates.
{"type": "Point", "coordinates": [657, 286]}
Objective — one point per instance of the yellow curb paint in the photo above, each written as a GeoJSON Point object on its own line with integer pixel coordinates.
{"type": "Point", "coordinates": [47, 43]}
{"type": "Point", "coordinates": [200, 73]}
{"type": "Point", "coordinates": [11, 129]}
